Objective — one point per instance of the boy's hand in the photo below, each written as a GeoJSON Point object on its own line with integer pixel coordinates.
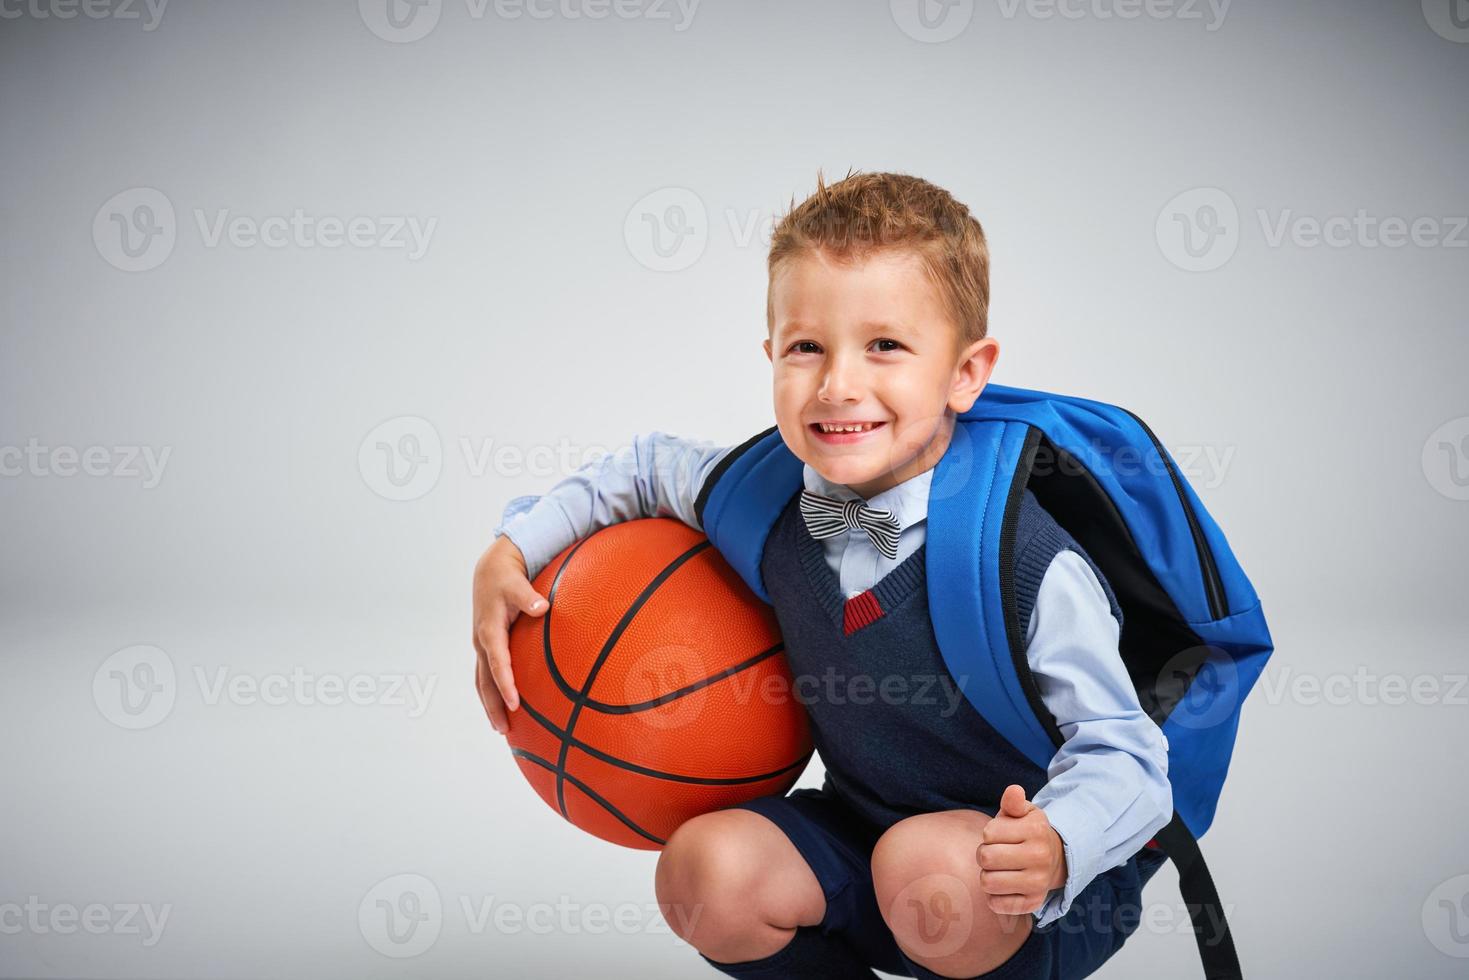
{"type": "Point", "coordinates": [501, 593]}
{"type": "Point", "coordinates": [1020, 855]}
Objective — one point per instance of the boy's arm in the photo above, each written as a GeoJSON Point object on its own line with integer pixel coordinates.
{"type": "Point", "coordinates": [658, 475]}
{"type": "Point", "coordinates": [1108, 790]}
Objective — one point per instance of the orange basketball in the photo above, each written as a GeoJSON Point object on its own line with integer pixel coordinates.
{"type": "Point", "coordinates": [654, 689]}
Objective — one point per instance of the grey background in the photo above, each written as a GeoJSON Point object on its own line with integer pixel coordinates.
{"type": "Point", "coordinates": [269, 545]}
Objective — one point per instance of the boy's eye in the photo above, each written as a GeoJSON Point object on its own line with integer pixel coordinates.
{"type": "Point", "coordinates": [800, 344]}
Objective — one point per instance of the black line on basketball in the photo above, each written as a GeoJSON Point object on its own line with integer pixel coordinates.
{"type": "Point", "coordinates": [573, 695]}
{"type": "Point", "coordinates": [622, 624]}
{"type": "Point", "coordinates": [624, 709]}
{"type": "Point", "coordinates": [613, 760]}
{"type": "Point", "coordinates": [560, 774]}
{"type": "Point", "coordinates": [546, 646]}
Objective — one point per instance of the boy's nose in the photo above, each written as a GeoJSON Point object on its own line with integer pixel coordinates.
{"type": "Point", "coordinates": [841, 383]}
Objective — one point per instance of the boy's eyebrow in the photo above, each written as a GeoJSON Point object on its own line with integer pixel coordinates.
{"type": "Point", "coordinates": [791, 326]}
{"type": "Point", "coordinates": [884, 325]}
{"type": "Point", "coordinates": [787, 328]}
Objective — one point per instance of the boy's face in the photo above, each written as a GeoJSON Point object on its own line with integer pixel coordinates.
{"type": "Point", "coordinates": [869, 342]}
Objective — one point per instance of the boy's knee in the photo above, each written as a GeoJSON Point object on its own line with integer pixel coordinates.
{"type": "Point", "coordinates": [927, 883]}
{"type": "Point", "coordinates": [732, 885]}
{"type": "Point", "coordinates": [929, 843]}
{"type": "Point", "coordinates": [703, 880]}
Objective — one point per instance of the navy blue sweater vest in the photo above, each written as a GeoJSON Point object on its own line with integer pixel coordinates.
{"type": "Point", "coordinates": [892, 725]}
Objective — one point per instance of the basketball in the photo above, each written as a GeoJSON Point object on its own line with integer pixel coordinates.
{"type": "Point", "coordinates": [655, 688]}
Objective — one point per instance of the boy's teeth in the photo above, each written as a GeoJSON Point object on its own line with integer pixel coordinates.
{"type": "Point", "coordinates": [845, 428]}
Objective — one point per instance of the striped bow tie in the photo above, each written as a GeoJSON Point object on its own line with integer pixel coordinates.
{"type": "Point", "coordinates": [826, 518]}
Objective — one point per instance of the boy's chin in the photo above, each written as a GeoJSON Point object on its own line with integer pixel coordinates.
{"type": "Point", "coordinates": [849, 467]}
{"type": "Point", "coordinates": [848, 471]}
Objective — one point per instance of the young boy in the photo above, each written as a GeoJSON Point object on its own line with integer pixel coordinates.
{"type": "Point", "coordinates": [933, 847]}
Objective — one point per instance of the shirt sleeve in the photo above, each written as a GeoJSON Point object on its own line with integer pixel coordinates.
{"type": "Point", "coordinates": [1107, 791]}
{"type": "Point", "coordinates": [658, 475]}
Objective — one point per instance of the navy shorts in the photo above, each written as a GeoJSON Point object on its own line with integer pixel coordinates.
{"type": "Point", "coordinates": [838, 844]}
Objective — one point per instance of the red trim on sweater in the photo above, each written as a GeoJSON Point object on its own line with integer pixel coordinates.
{"type": "Point", "coordinates": [859, 611]}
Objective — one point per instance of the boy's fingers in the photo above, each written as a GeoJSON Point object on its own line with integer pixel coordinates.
{"type": "Point", "coordinates": [1013, 904]}
{"type": "Point", "coordinates": [530, 601]}
{"type": "Point", "coordinates": [1001, 857]}
{"type": "Point", "coordinates": [1008, 882]}
{"type": "Point", "coordinates": [488, 695]}
{"type": "Point", "coordinates": [1004, 830]}
{"type": "Point", "coordinates": [498, 648]}
{"type": "Point", "coordinates": [1013, 802]}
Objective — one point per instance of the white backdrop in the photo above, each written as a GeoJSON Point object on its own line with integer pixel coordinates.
{"type": "Point", "coordinates": [247, 245]}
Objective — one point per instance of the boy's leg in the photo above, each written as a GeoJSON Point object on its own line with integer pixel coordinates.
{"type": "Point", "coordinates": [927, 882]}
{"type": "Point", "coordinates": [810, 953]}
{"type": "Point", "coordinates": [733, 885]}
{"type": "Point", "coordinates": [842, 934]}
{"type": "Point", "coordinates": [1102, 918]}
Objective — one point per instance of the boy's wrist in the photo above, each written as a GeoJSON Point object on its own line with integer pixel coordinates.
{"type": "Point", "coordinates": [1058, 861]}
{"type": "Point", "coordinates": [504, 547]}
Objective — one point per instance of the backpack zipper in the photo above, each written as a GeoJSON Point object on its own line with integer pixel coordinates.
{"type": "Point", "coordinates": [1213, 584]}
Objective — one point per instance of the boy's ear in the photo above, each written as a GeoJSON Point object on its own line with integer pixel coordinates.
{"type": "Point", "coordinates": [768, 355]}
{"type": "Point", "coordinates": [972, 373]}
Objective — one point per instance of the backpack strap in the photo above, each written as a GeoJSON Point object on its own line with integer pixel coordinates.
{"type": "Point", "coordinates": [741, 498]}
{"type": "Point", "coordinates": [973, 509]}
{"type": "Point", "coordinates": [1201, 898]}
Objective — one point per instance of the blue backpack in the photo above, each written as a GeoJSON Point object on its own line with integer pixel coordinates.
{"type": "Point", "coordinates": [1193, 637]}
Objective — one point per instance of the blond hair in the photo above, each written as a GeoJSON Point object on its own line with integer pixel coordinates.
{"type": "Point", "coordinates": [864, 213]}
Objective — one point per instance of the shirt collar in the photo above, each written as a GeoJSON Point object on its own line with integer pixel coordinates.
{"type": "Point", "coordinates": [908, 500]}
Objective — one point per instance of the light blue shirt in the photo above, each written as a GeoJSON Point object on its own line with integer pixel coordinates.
{"type": "Point", "coordinates": [1107, 789]}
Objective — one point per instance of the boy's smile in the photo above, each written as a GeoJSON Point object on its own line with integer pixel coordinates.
{"type": "Point", "coordinates": [867, 372]}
